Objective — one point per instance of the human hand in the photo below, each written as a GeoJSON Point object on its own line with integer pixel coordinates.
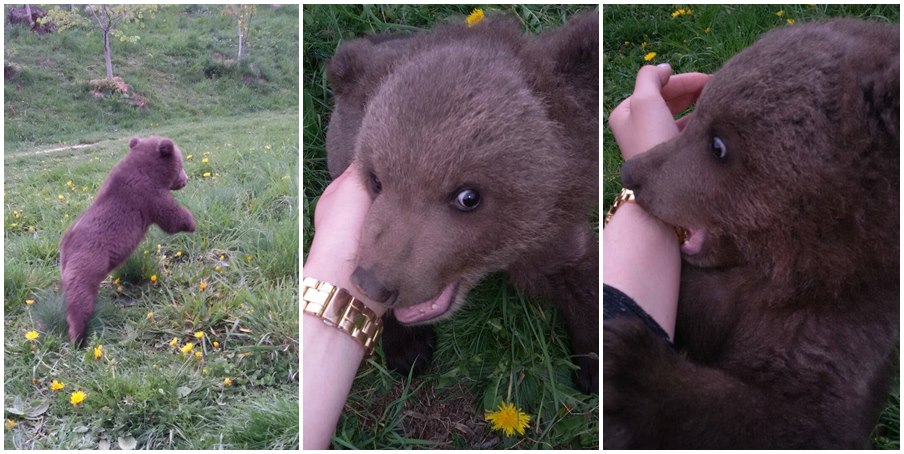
{"type": "Point", "coordinates": [338, 220]}
{"type": "Point", "coordinates": [646, 118]}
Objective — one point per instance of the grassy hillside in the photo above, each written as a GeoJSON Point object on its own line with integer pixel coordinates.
{"type": "Point", "coordinates": [499, 347]}
{"type": "Point", "coordinates": [702, 41]}
{"type": "Point", "coordinates": [173, 64]}
{"type": "Point", "coordinates": [230, 289]}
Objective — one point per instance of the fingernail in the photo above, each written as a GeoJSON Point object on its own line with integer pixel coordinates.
{"type": "Point", "coordinates": [663, 65]}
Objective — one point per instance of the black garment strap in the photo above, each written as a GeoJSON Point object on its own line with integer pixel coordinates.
{"type": "Point", "coordinates": [617, 304]}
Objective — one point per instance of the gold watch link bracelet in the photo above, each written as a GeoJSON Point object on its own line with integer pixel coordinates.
{"type": "Point", "coordinates": [338, 308]}
{"type": "Point", "coordinates": [627, 196]}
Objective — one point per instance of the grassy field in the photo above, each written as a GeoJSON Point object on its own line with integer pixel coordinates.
{"type": "Point", "coordinates": [499, 347]}
{"type": "Point", "coordinates": [702, 41]}
{"type": "Point", "coordinates": [230, 289]}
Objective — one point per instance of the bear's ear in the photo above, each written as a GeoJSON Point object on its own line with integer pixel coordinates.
{"type": "Point", "coordinates": [360, 63]}
{"type": "Point", "coordinates": [166, 147]}
{"type": "Point", "coordinates": [575, 52]}
{"type": "Point", "coordinates": [133, 142]}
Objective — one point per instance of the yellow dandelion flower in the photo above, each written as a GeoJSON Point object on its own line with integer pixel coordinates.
{"type": "Point", "coordinates": [204, 161]}
{"type": "Point", "coordinates": [791, 21]}
{"type": "Point", "coordinates": [174, 342]}
{"type": "Point", "coordinates": [153, 278]}
{"type": "Point", "coordinates": [218, 268]}
{"type": "Point", "coordinates": [206, 175]}
{"type": "Point", "coordinates": [249, 258]}
{"type": "Point", "coordinates": [199, 335]}
{"type": "Point", "coordinates": [187, 348]}
{"type": "Point", "coordinates": [643, 45]}
{"type": "Point", "coordinates": [508, 419]}
{"type": "Point", "coordinates": [77, 397]}
{"type": "Point", "coordinates": [198, 355]}
{"type": "Point", "coordinates": [178, 253]}
{"type": "Point", "coordinates": [61, 198]}
{"type": "Point", "coordinates": [10, 424]}
{"type": "Point", "coordinates": [15, 214]}
{"type": "Point", "coordinates": [29, 302]}
{"type": "Point", "coordinates": [780, 13]}
{"type": "Point", "coordinates": [222, 257]}
{"type": "Point", "coordinates": [649, 56]}
{"type": "Point", "coordinates": [202, 286]}
{"type": "Point", "coordinates": [216, 344]}
{"type": "Point", "coordinates": [267, 147]}
{"type": "Point", "coordinates": [227, 381]}
{"type": "Point", "coordinates": [98, 352]}
{"type": "Point", "coordinates": [474, 18]}
{"type": "Point", "coordinates": [56, 386]}
{"type": "Point", "coordinates": [69, 184]}
{"type": "Point", "coordinates": [188, 158]}
{"type": "Point", "coordinates": [149, 316]}
{"type": "Point", "coordinates": [677, 12]}
{"type": "Point", "coordinates": [32, 335]}
{"type": "Point", "coordinates": [708, 30]}
{"type": "Point", "coordinates": [13, 225]}
{"type": "Point", "coordinates": [31, 229]}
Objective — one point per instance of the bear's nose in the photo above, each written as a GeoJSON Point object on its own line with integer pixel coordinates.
{"type": "Point", "coordinates": [629, 175]}
{"type": "Point", "coordinates": [372, 288]}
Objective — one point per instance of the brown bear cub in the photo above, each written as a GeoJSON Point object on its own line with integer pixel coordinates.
{"type": "Point", "coordinates": [479, 148]}
{"type": "Point", "coordinates": [135, 195]}
{"type": "Point", "coordinates": [787, 178]}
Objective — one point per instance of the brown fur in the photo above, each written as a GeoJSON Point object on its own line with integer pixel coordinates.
{"type": "Point", "coordinates": [488, 108]}
{"type": "Point", "coordinates": [135, 195]}
{"type": "Point", "coordinates": [788, 316]}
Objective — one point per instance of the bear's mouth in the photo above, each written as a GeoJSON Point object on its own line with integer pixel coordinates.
{"type": "Point", "coordinates": [430, 309]}
{"type": "Point", "coordinates": [696, 238]}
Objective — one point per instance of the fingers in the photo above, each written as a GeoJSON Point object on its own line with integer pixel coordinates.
{"type": "Point", "coordinates": [682, 90]}
{"type": "Point", "coordinates": [647, 100]}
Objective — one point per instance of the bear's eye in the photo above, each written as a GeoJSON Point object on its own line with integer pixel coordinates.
{"type": "Point", "coordinates": [719, 148]}
{"type": "Point", "coordinates": [467, 199]}
{"type": "Point", "coordinates": [375, 184]}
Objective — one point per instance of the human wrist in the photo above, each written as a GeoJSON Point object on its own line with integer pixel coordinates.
{"type": "Point", "coordinates": [337, 272]}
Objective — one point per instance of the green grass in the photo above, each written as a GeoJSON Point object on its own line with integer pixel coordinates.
{"type": "Point", "coordinates": [703, 41]}
{"type": "Point", "coordinates": [499, 347]}
{"type": "Point", "coordinates": [245, 249]}
{"type": "Point", "coordinates": [167, 65]}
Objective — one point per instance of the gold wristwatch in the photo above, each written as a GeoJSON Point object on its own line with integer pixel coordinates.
{"type": "Point", "coordinates": [337, 308]}
{"type": "Point", "coordinates": [626, 196]}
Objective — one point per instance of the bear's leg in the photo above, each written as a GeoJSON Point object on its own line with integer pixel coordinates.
{"type": "Point", "coordinates": [407, 347]}
{"type": "Point", "coordinates": [81, 281]}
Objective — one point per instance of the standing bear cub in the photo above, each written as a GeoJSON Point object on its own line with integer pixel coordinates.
{"type": "Point", "coordinates": [135, 195]}
{"type": "Point", "coordinates": [479, 146]}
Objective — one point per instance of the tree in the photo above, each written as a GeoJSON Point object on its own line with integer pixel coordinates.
{"type": "Point", "coordinates": [104, 18]}
{"type": "Point", "coordinates": [242, 14]}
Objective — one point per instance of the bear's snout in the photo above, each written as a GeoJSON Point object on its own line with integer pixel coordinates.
{"type": "Point", "coordinates": [630, 176]}
{"type": "Point", "coordinates": [180, 182]}
{"type": "Point", "coordinates": [372, 288]}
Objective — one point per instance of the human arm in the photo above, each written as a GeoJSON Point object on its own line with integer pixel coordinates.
{"type": "Point", "coordinates": [640, 253]}
{"type": "Point", "coordinates": [331, 357]}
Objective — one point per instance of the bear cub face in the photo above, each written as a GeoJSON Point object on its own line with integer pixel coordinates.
{"type": "Point", "coordinates": [161, 158]}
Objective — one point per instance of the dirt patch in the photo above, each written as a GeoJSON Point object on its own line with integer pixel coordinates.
{"type": "Point", "coordinates": [441, 416]}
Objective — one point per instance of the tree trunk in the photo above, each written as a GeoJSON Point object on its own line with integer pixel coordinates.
{"type": "Point", "coordinates": [107, 60]}
{"type": "Point", "coordinates": [30, 19]}
{"type": "Point", "coordinates": [241, 41]}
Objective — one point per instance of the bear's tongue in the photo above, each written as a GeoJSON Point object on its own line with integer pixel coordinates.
{"type": "Point", "coordinates": [694, 243]}
{"type": "Point", "coordinates": [429, 309]}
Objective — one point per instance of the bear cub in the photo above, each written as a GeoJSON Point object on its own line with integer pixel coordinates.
{"type": "Point", "coordinates": [135, 195]}
{"type": "Point", "coordinates": [479, 148]}
{"type": "Point", "coordinates": [787, 178]}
